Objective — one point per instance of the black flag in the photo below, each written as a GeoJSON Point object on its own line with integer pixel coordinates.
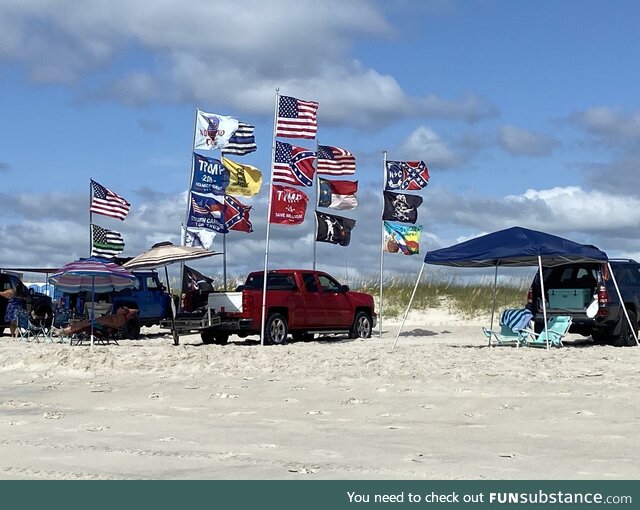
{"type": "Point", "coordinates": [195, 280]}
{"type": "Point", "coordinates": [334, 229]}
{"type": "Point", "coordinates": [401, 207]}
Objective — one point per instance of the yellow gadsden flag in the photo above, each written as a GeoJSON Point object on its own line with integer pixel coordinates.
{"type": "Point", "coordinates": [244, 180]}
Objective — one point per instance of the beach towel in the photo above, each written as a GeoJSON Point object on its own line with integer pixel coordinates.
{"type": "Point", "coordinates": [516, 319]}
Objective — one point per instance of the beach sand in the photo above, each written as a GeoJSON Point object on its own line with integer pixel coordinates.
{"type": "Point", "coordinates": [441, 405]}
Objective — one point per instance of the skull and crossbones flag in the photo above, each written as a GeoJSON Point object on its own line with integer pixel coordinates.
{"type": "Point", "coordinates": [401, 207]}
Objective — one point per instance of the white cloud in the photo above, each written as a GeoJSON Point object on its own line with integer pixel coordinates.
{"type": "Point", "coordinates": [205, 52]}
{"type": "Point", "coordinates": [520, 142]}
{"type": "Point", "coordinates": [425, 144]}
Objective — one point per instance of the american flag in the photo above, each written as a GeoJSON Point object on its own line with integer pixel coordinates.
{"type": "Point", "coordinates": [106, 202]}
{"type": "Point", "coordinates": [242, 141]}
{"type": "Point", "coordinates": [105, 243]}
{"type": "Point", "coordinates": [293, 165]}
{"type": "Point", "coordinates": [335, 161]}
{"type": "Point", "coordinates": [296, 118]}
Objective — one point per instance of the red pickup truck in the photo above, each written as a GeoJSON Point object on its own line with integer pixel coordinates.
{"type": "Point", "coordinates": [299, 301]}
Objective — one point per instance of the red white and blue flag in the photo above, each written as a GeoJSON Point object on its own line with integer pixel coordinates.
{"type": "Point", "coordinates": [335, 161]}
{"type": "Point", "coordinates": [296, 118]}
{"type": "Point", "coordinates": [406, 175]}
{"type": "Point", "coordinates": [106, 202]}
{"type": "Point", "coordinates": [293, 165]}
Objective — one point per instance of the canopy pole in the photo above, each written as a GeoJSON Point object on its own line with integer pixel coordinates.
{"type": "Point", "coordinates": [495, 292]}
{"type": "Point", "coordinates": [174, 333]}
{"type": "Point", "coordinates": [626, 313]}
{"type": "Point", "coordinates": [544, 302]}
{"type": "Point", "coordinates": [406, 313]}
{"type": "Point", "coordinates": [93, 303]}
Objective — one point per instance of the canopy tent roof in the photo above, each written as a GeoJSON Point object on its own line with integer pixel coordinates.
{"type": "Point", "coordinates": [515, 247]}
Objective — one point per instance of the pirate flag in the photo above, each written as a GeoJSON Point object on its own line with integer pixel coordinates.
{"type": "Point", "coordinates": [334, 229]}
{"type": "Point", "coordinates": [401, 207]}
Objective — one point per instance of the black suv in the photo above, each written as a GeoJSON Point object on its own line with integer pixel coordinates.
{"type": "Point", "coordinates": [570, 288]}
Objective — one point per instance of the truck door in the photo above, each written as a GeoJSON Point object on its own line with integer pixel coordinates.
{"type": "Point", "coordinates": [316, 314]}
{"type": "Point", "coordinates": [336, 303]}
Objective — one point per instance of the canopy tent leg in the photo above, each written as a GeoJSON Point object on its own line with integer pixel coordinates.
{"type": "Point", "coordinates": [406, 313]}
{"type": "Point", "coordinates": [495, 292]}
{"type": "Point", "coordinates": [626, 313]}
{"type": "Point", "coordinates": [544, 301]}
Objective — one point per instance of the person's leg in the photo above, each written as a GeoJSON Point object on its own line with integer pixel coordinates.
{"type": "Point", "coordinates": [13, 326]}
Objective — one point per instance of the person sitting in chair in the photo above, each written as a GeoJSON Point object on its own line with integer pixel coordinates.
{"type": "Point", "coordinates": [114, 321]}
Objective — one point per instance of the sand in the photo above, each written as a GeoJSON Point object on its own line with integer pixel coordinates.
{"type": "Point", "coordinates": [441, 405]}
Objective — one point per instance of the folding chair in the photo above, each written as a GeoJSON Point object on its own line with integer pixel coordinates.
{"type": "Point", "coordinates": [27, 329]}
{"type": "Point", "coordinates": [514, 328]}
{"type": "Point", "coordinates": [557, 329]}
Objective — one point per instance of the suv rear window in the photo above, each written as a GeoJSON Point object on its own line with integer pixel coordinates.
{"type": "Point", "coordinates": [571, 277]}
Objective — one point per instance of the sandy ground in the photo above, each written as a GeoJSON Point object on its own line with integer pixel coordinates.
{"type": "Point", "coordinates": [441, 405]}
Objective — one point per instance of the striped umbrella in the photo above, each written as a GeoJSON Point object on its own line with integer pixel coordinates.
{"type": "Point", "coordinates": [92, 274]}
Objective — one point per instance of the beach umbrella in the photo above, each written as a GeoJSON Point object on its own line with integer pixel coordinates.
{"type": "Point", "coordinates": [93, 274]}
{"type": "Point", "coordinates": [161, 255]}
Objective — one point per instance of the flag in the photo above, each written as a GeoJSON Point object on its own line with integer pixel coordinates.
{"type": "Point", "coordinates": [105, 243]}
{"type": "Point", "coordinates": [206, 212]}
{"type": "Point", "coordinates": [335, 161]}
{"type": "Point", "coordinates": [104, 201]}
{"type": "Point", "coordinates": [288, 205]}
{"type": "Point", "coordinates": [406, 175]}
{"type": "Point", "coordinates": [213, 131]}
{"type": "Point", "coordinates": [198, 237]}
{"type": "Point", "coordinates": [293, 165]}
{"type": "Point", "coordinates": [401, 207]}
{"type": "Point", "coordinates": [244, 180]}
{"type": "Point", "coordinates": [242, 141]}
{"type": "Point", "coordinates": [337, 194]}
{"type": "Point", "coordinates": [334, 229]}
{"type": "Point", "coordinates": [209, 175]}
{"type": "Point", "coordinates": [195, 280]}
{"type": "Point", "coordinates": [236, 215]}
{"type": "Point", "coordinates": [296, 118]}
{"type": "Point", "coordinates": [403, 238]}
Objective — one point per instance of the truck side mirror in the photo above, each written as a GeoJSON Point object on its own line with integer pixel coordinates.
{"type": "Point", "coordinates": [344, 288]}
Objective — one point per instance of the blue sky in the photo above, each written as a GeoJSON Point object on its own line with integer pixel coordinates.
{"type": "Point", "coordinates": [525, 112]}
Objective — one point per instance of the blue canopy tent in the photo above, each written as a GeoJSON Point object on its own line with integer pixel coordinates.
{"type": "Point", "coordinates": [513, 247]}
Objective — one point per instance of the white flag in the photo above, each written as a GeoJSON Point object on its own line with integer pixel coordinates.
{"type": "Point", "coordinates": [198, 237]}
{"type": "Point", "coordinates": [213, 131]}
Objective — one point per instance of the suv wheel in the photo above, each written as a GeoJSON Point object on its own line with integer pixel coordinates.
{"type": "Point", "coordinates": [133, 328]}
{"type": "Point", "coordinates": [361, 326]}
{"type": "Point", "coordinates": [276, 329]}
{"type": "Point", "coordinates": [626, 338]}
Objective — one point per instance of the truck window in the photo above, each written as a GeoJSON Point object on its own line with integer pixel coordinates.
{"type": "Point", "coordinates": [633, 274]}
{"type": "Point", "coordinates": [152, 283]}
{"type": "Point", "coordinates": [309, 282]}
{"type": "Point", "coordinates": [328, 284]}
{"type": "Point", "coordinates": [275, 281]}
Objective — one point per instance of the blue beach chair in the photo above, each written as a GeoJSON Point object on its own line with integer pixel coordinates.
{"type": "Point", "coordinates": [514, 328]}
{"type": "Point", "coordinates": [557, 329]}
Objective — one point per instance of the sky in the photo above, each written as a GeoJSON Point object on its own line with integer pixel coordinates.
{"type": "Point", "coordinates": [526, 113]}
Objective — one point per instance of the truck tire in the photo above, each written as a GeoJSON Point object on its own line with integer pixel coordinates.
{"type": "Point", "coordinates": [133, 328]}
{"type": "Point", "coordinates": [276, 329]}
{"type": "Point", "coordinates": [210, 336]}
{"type": "Point", "coordinates": [626, 338]}
{"type": "Point", "coordinates": [361, 326]}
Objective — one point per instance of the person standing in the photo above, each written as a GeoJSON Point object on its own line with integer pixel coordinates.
{"type": "Point", "coordinates": [17, 300]}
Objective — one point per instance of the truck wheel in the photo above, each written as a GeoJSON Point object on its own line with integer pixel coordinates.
{"type": "Point", "coordinates": [276, 329]}
{"type": "Point", "coordinates": [207, 336]}
{"type": "Point", "coordinates": [626, 338]}
{"type": "Point", "coordinates": [221, 338]}
{"type": "Point", "coordinates": [133, 328]}
{"type": "Point", "coordinates": [361, 326]}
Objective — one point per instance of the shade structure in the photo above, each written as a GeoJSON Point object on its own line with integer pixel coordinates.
{"type": "Point", "coordinates": [165, 253]}
{"type": "Point", "coordinates": [92, 274]}
{"type": "Point", "coordinates": [515, 247]}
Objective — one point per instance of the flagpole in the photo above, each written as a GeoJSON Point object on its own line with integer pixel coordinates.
{"type": "Point", "coordinates": [266, 244]}
{"type": "Point", "coordinates": [224, 255]}
{"type": "Point", "coordinates": [315, 216]}
{"type": "Point", "coordinates": [384, 175]}
{"type": "Point", "coordinates": [90, 216]}
{"type": "Point", "coordinates": [183, 230]}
